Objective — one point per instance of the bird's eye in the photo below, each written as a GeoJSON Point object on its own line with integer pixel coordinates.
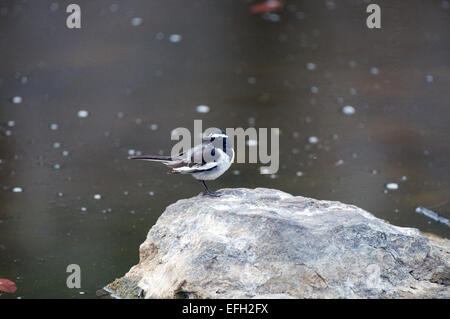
{"type": "Point", "coordinates": [212, 139]}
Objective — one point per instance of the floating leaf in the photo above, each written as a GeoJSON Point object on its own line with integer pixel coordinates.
{"type": "Point", "coordinates": [7, 286]}
{"type": "Point", "coordinates": [267, 6]}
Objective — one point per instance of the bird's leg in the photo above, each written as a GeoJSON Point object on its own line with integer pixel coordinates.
{"type": "Point", "coordinates": [208, 192]}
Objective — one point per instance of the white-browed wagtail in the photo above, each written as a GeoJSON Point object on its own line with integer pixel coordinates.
{"type": "Point", "coordinates": [205, 162]}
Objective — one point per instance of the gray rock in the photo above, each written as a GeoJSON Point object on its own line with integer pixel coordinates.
{"type": "Point", "coordinates": [264, 243]}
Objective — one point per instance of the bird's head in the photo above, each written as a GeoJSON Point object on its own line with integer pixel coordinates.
{"type": "Point", "coordinates": [216, 135]}
{"type": "Point", "coordinates": [220, 140]}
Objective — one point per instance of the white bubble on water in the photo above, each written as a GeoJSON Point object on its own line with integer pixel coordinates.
{"type": "Point", "coordinates": [56, 145]}
{"type": "Point", "coordinates": [202, 109]}
{"type": "Point", "coordinates": [314, 90]}
{"type": "Point", "coordinates": [54, 6]}
{"type": "Point", "coordinates": [348, 110]}
{"type": "Point", "coordinates": [17, 189]}
{"type": "Point", "coordinates": [54, 126]}
{"type": "Point", "coordinates": [56, 166]}
{"type": "Point", "coordinates": [404, 178]}
{"type": "Point", "coordinates": [429, 78]}
{"type": "Point", "coordinates": [352, 63]}
{"type": "Point", "coordinates": [374, 70]}
{"type": "Point", "coordinates": [83, 209]}
{"type": "Point", "coordinates": [131, 152]}
{"type": "Point", "coordinates": [8, 133]}
{"type": "Point", "coordinates": [331, 5]}
{"type": "Point", "coordinates": [251, 80]}
{"type": "Point", "coordinates": [313, 139]}
{"type": "Point", "coordinates": [299, 173]}
{"type": "Point", "coordinates": [311, 66]}
{"type": "Point", "coordinates": [151, 193]}
{"type": "Point", "coordinates": [65, 153]}
{"type": "Point", "coordinates": [153, 127]}
{"type": "Point", "coordinates": [83, 113]}
{"type": "Point", "coordinates": [272, 17]}
{"type": "Point", "coordinates": [136, 21]}
{"type": "Point", "coordinates": [97, 196]}
{"type": "Point", "coordinates": [175, 38]}
{"type": "Point", "coordinates": [17, 99]}
{"type": "Point", "coordinates": [11, 123]}
{"type": "Point", "coordinates": [392, 186]}
{"type": "Point", "coordinates": [236, 172]}
{"type": "Point", "coordinates": [339, 162]}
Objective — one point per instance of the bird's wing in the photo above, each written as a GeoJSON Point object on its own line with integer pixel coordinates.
{"type": "Point", "coordinates": [194, 155]}
{"type": "Point", "coordinates": [193, 160]}
{"type": "Point", "coordinates": [196, 168]}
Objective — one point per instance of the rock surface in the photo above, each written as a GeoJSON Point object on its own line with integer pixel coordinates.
{"type": "Point", "coordinates": [264, 243]}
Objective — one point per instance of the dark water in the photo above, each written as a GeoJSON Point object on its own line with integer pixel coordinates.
{"type": "Point", "coordinates": [250, 70]}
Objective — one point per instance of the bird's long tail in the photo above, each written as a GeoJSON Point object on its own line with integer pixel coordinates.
{"type": "Point", "coordinates": [155, 158]}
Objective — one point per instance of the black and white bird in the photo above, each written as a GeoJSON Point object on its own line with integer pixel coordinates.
{"type": "Point", "coordinates": [205, 162]}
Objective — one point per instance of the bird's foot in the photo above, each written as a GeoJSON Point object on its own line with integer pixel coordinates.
{"type": "Point", "coordinates": [213, 194]}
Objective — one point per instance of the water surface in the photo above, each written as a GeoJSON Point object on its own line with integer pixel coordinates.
{"type": "Point", "coordinates": [138, 79]}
